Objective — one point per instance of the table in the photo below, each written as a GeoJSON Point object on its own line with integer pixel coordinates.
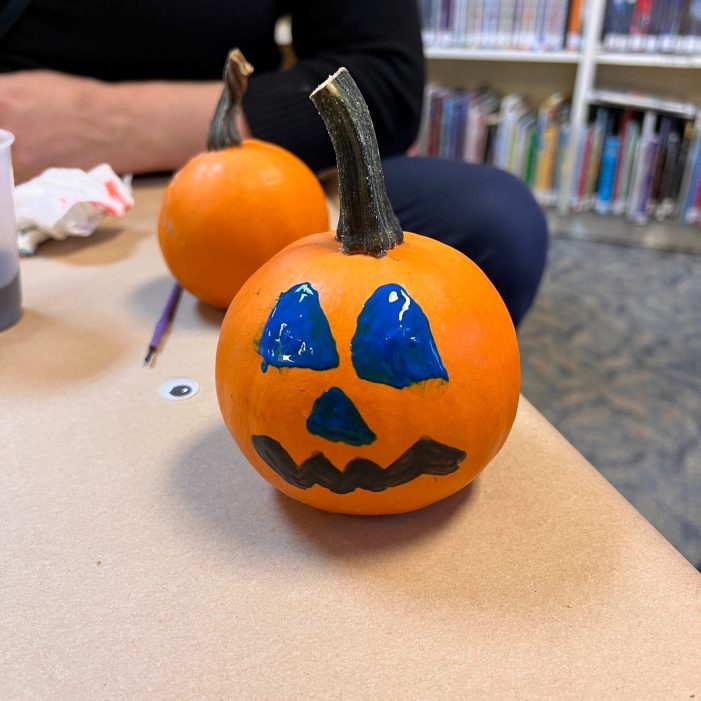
{"type": "Point", "coordinates": [141, 558]}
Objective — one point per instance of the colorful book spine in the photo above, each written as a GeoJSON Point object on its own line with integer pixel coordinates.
{"type": "Point", "coordinates": [560, 154]}
{"type": "Point", "coordinates": [531, 138]}
{"type": "Point", "coordinates": [690, 39]}
{"type": "Point", "coordinates": [694, 214]}
{"type": "Point", "coordinates": [665, 130]}
{"type": "Point", "coordinates": [641, 165]}
{"type": "Point", "coordinates": [639, 161]}
{"type": "Point", "coordinates": [639, 26]}
{"type": "Point", "coordinates": [665, 204]}
{"type": "Point", "coordinates": [597, 142]}
{"type": "Point", "coordinates": [616, 23]}
{"type": "Point", "coordinates": [685, 152]}
{"type": "Point", "coordinates": [529, 23]}
{"type": "Point", "coordinates": [511, 110]}
{"type": "Point", "coordinates": [644, 207]}
{"type": "Point", "coordinates": [574, 26]}
{"type": "Point", "coordinates": [490, 24]}
{"type": "Point", "coordinates": [558, 26]}
{"type": "Point", "coordinates": [692, 174]}
{"type": "Point", "coordinates": [660, 9]}
{"type": "Point", "coordinates": [582, 169]}
{"type": "Point", "coordinates": [505, 24]}
{"type": "Point", "coordinates": [626, 118]}
{"type": "Point", "coordinates": [473, 32]}
{"type": "Point", "coordinates": [516, 29]}
{"type": "Point", "coordinates": [609, 157]}
{"type": "Point", "coordinates": [625, 179]}
{"type": "Point", "coordinates": [670, 29]}
{"type": "Point", "coordinates": [459, 23]}
{"type": "Point", "coordinates": [545, 164]}
{"type": "Point", "coordinates": [540, 23]}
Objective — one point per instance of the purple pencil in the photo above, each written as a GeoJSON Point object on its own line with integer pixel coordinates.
{"type": "Point", "coordinates": [163, 321]}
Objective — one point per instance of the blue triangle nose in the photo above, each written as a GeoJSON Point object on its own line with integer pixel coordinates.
{"type": "Point", "coordinates": [335, 418]}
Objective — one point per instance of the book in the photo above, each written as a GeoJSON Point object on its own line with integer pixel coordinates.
{"type": "Point", "coordinates": [490, 24]}
{"type": "Point", "coordinates": [599, 132]}
{"type": "Point", "coordinates": [670, 27]}
{"type": "Point", "coordinates": [690, 40]}
{"type": "Point", "coordinates": [639, 25]}
{"type": "Point", "coordinates": [624, 122]}
{"type": "Point", "coordinates": [516, 30]}
{"type": "Point", "coordinates": [554, 27]}
{"type": "Point", "coordinates": [660, 9]}
{"type": "Point", "coordinates": [505, 24]}
{"type": "Point", "coordinates": [685, 152]}
{"type": "Point", "coordinates": [438, 99]}
{"type": "Point", "coordinates": [574, 26]}
{"type": "Point", "coordinates": [581, 168]}
{"type": "Point", "coordinates": [447, 139]}
{"type": "Point", "coordinates": [617, 23]}
{"type": "Point", "coordinates": [625, 179]}
{"type": "Point", "coordinates": [458, 23]}
{"type": "Point", "coordinates": [609, 157]}
{"type": "Point", "coordinates": [645, 206]}
{"type": "Point", "coordinates": [512, 107]}
{"type": "Point", "coordinates": [665, 200]}
{"type": "Point", "coordinates": [663, 135]}
{"type": "Point", "coordinates": [530, 135]}
{"type": "Point", "coordinates": [424, 128]}
{"type": "Point", "coordinates": [692, 173]}
{"type": "Point", "coordinates": [693, 215]}
{"type": "Point", "coordinates": [444, 31]}
{"type": "Point", "coordinates": [559, 174]}
{"type": "Point", "coordinates": [481, 106]}
{"type": "Point", "coordinates": [548, 129]}
{"type": "Point", "coordinates": [527, 39]}
{"type": "Point", "coordinates": [637, 197]}
{"type": "Point", "coordinates": [473, 32]}
{"type": "Point", "coordinates": [541, 7]}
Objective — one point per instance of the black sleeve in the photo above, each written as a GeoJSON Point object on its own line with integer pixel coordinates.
{"type": "Point", "coordinates": [378, 41]}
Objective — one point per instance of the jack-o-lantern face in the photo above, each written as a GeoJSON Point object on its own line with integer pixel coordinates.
{"type": "Point", "coordinates": [373, 383]}
{"type": "Point", "coordinates": [392, 345]}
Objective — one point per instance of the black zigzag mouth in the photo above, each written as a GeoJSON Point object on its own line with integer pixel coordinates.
{"type": "Point", "coordinates": [425, 457]}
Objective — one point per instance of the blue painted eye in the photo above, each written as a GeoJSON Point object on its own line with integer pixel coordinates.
{"type": "Point", "coordinates": [393, 343]}
{"type": "Point", "coordinates": [297, 333]}
{"type": "Point", "coordinates": [335, 418]}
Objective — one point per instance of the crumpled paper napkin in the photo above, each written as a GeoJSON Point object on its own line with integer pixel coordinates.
{"type": "Point", "coordinates": [64, 202]}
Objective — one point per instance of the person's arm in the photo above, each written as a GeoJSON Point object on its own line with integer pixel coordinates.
{"type": "Point", "coordinates": [68, 121]}
{"type": "Point", "coordinates": [378, 41]}
{"type": "Point", "coordinates": [62, 120]}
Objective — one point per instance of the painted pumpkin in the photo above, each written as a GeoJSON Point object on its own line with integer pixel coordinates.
{"type": "Point", "coordinates": [367, 370]}
{"type": "Point", "coordinates": [230, 209]}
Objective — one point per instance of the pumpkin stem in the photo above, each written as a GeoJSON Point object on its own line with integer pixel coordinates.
{"type": "Point", "coordinates": [367, 223]}
{"type": "Point", "coordinates": [223, 129]}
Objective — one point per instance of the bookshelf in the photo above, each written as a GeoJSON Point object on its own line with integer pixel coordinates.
{"type": "Point", "coordinates": [584, 74]}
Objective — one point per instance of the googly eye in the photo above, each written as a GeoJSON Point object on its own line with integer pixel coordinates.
{"type": "Point", "coordinates": [179, 388]}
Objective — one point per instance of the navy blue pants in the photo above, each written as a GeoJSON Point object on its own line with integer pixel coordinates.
{"type": "Point", "coordinates": [486, 213]}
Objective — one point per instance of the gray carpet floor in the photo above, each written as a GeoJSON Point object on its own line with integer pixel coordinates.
{"type": "Point", "coordinates": [611, 355]}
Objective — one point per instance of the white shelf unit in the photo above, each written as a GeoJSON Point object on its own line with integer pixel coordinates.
{"type": "Point", "coordinates": [647, 60]}
{"type": "Point", "coordinates": [586, 62]}
{"type": "Point", "coordinates": [435, 52]}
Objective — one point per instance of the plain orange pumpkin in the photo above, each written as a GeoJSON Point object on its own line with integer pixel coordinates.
{"type": "Point", "coordinates": [361, 434]}
{"type": "Point", "coordinates": [228, 210]}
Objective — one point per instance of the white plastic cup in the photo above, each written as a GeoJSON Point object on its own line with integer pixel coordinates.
{"type": "Point", "coordinates": [10, 294]}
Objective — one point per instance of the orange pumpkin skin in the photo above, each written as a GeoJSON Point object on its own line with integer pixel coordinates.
{"type": "Point", "coordinates": [227, 212]}
{"type": "Point", "coordinates": [472, 411]}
